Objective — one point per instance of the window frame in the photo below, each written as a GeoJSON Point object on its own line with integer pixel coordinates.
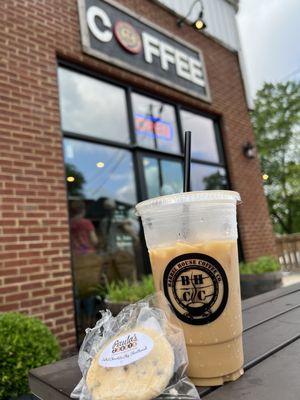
{"type": "Point", "coordinates": [83, 71]}
{"type": "Point", "coordinates": [159, 157]}
{"type": "Point", "coordinates": [176, 115]}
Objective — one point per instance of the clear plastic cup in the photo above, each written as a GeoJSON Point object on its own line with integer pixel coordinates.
{"type": "Point", "coordinates": [192, 243]}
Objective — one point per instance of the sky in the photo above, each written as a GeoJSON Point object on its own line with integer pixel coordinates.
{"type": "Point", "coordinates": [269, 33]}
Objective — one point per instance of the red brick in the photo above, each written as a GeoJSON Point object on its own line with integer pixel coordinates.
{"type": "Point", "coordinates": [54, 314]}
{"type": "Point", "coordinates": [15, 279]}
{"type": "Point", "coordinates": [9, 239]}
{"type": "Point", "coordinates": [53, 299]}
{"type": "Point", "coordinates": [15, 263]}
{"type": "Point", "coordinates": [16, 297]}
{"type": "Point", "coordinates": [62, 289]}
{"type": "Point", "coordinates": [31, 285]}
{"type": "Point", "coordinates": [10, 247]}
{"type": "Point", "coordinates": [29, 238]}
{"type": "Point", "coordinates": [9, 289]}
{"type": "Point", "coordinates": [30, 303]}
{"type": "Point", "coordinates": [16, 231]}
{"type": "Point", "coordinates": [43, 293]}
{"type": "Point", "coordinates": [8, 222]}
{"type": "Point", "coordinates": [9, 307]}
{"type": "Point", "coordinates": [9, 272]}
{"type": "Point", "coordinates": [30, 270]}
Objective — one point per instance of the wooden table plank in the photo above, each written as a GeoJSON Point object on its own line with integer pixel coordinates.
{"type": "Point", "coordinates": [61, 378]}
{"type": "Point", "coordinates": [277, 378]}
{"type": "Point", "coordinates": [265, 337]}
{"type": "Point", "coordinates": [271, 309]}
{"type": "Point", "coordinates": [273, 294]}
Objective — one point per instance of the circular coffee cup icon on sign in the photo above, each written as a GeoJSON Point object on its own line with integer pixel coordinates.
{"type": "Point", "coordinates": [128, 37]}
{"type": "Point", "coordinates": [197, 288]}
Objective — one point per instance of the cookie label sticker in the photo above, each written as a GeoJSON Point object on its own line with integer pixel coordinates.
{"type": "Point", "coordinates": [125, 350]}
{"type": "Point", "coordinates": [197, 288]}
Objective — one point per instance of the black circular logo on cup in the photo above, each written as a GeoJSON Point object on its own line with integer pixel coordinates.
{"type": "Point", "coordinates": [197, 288]}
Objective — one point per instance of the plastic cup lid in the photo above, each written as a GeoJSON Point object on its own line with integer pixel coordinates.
{"type": "Point", "coordinates": [222, 196]}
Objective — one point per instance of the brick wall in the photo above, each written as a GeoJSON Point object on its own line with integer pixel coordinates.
{"type": "Point", "coordinates": [35, 273]}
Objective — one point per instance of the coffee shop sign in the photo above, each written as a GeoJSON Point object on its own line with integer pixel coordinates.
{"type": "Point", "coordinates": [116, 35]}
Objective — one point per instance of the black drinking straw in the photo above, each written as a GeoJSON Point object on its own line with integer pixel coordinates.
{"type": "Point", "coordinates": [187, 162]}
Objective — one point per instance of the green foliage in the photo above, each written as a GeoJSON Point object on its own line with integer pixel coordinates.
{"type": "Point", "coordinates": [25, 343]}
{"type": "Point", "coordinates": [130, 291]}
{"type": "Point", "coordinates": [215, 181]}
{"type": "Point", "coordinates": [260, 266]}
{"type": "Point", "coordinates": [276, 122]}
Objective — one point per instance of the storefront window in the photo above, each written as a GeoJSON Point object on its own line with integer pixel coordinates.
{"type": "Point", "coordinates": [155, 124]}
{"type": "Point", "coordinates": [104, 230]}
{"type": "Point", "coordinates": [162, 176]}
{"type": "Point", "coordinates": [204, 144]}
{"type": "Point", "coordinates": [102, 179]}
{"type": "Point", "coordinates": [206, 177]}
{"type": "Point", "coordinates": [92, 107]}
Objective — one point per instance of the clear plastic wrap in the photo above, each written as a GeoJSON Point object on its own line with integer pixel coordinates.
{"type": "Point", "coordinates": [138, 355]}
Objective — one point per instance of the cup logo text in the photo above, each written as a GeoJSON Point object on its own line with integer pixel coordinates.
{"type": "Point", "coordinates": [197, 288]}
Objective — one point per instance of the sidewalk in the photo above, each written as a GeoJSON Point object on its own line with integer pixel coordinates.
{"type": "Point", "coordinates": [289, 278]}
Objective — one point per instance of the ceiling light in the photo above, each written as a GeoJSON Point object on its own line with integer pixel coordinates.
{"type": "Point", "coordinates": [100, 164]}
{"type": "Point", "coordinates": [70, 179]}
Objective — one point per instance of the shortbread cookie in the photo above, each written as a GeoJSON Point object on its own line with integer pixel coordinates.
{"type": "Point", "coordinates": [136, 365]}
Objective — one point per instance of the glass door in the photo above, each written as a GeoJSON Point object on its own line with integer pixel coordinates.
{"type": "Point", "coordinates": [104, 231]}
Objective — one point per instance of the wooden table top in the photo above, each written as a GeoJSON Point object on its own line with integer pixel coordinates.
{"type": "Point", "coordinates": [271, 347]}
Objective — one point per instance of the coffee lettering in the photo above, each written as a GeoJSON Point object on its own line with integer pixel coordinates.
{"type": "Point", "coordinates": [102, 35]}
{"type": "Point", "coordinates": [196, 72]}
{"type": "Point", "coordinates": [186, 67]}
{"type": "Point", "coordinates": [167, 56]}
{"type": "Point", "coordinates": [151, 47]}
{"type": "Point", "coordinates": [182, 65]}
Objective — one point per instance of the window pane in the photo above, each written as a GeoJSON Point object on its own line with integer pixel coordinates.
{"type": "Point", "coordinates": [104, 230]}
{"type": "Point", "coordinates": [151, 171]}
{"type": "Point", "coordinates": [204, 145]}
{"type": "Point", "coordinates": [206, 177]}
{"type": "Point", "coordinates": [155, 124]}
{"type": "Point", "coordinates": [172, 177]}
{"type": "Point", "coordinates": [92, 107]}
{"type": "Point", "coordinates": [162, 176]}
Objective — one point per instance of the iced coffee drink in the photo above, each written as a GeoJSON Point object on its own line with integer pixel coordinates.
{"type": "Point", "coordinates": [191, 238]}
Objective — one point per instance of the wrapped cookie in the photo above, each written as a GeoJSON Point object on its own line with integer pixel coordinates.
{"type": "Point", "coordinates": [137, 355]}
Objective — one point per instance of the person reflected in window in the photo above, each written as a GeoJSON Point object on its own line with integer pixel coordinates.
{"type": "Point", "coordinates": [83, 235]}
{"type": "Point", "coordinates": [130, 226]}
{"type": "Point", "coordinates": [86, 262]}
{"type": "Point", "coordinates": [118, 262]}
{"type": "Point", "coordinates": [108, 227]}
